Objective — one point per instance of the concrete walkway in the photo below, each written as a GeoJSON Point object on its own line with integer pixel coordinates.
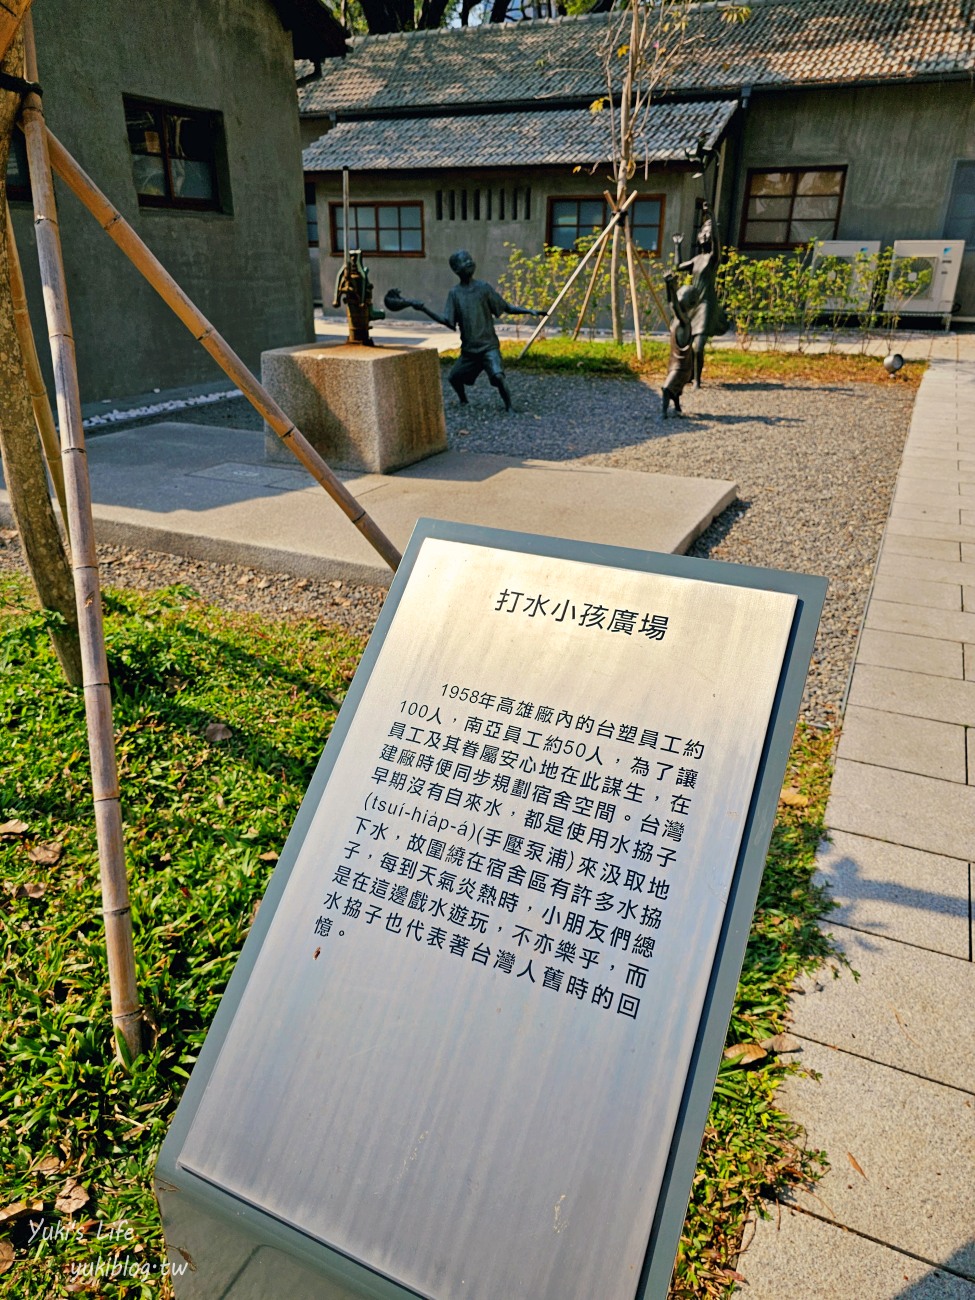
{"type": "Point", "coordinates": [209, 493]}
{"type": "Point", "coordinates": [895, 1106]}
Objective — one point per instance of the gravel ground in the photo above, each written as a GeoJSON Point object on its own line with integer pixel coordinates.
{"type": "Point", "coordinates": [815, 468]}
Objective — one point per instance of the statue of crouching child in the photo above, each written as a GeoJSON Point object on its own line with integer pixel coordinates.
{"type": "Point", "coordinates": [472, 307]}
{"type": "Point", "coordinates": [681, 372]}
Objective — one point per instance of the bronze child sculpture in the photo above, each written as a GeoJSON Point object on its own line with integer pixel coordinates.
{"type": "Point", "coordinates": [704, 309]}
{"type": "Point", "coordinates": [681, 350]}
{"type": "Point", "coordinates": [472, 307]}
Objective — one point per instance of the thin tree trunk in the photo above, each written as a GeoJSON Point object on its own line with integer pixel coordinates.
{"type": "Point", "coordinates": [117, 913]}
{"type": "Point", "coordinates": [23, 461]}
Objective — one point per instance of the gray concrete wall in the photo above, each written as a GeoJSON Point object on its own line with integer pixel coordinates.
{"type": "Point", "coordinates": [429, 277]}
{"type": "Point", "coordinates": [247, 267]}
{"type": "Point", "coordinates": [899, 144]}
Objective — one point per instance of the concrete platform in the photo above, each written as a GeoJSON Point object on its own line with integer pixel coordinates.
{"type": "Point", "coordinates": [208, 493]}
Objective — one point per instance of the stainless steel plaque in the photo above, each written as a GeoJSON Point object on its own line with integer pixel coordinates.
{"type": "Point", "coordinates": [461, 1050]}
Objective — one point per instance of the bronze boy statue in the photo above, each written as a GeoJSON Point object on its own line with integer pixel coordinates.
{"type": "Point", "coordinates": [681, 350]}
{"type": "Point", "coordinates": [472, 307]}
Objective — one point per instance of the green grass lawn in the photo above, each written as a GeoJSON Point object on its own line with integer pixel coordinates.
{"type": "Point", "coordinates": [204, 821]}
{"type": "Point", "coordinates": [725, 365]}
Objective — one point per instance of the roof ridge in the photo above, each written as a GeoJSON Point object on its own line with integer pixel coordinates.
{"type": "Point", "coordinates": [369, 37]}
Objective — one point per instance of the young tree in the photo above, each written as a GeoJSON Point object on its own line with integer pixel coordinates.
{"type": "Point", "coordinates": [644, 42]}
{"type": "Point", "coordinates": [23, 461]}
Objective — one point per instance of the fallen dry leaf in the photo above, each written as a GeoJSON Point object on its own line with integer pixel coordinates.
{"type": "Point", "coordinates": [49, 1165]}
{"type": "Point", "coordinates": [19, 1210]}
{"type": "Point", "coordinates": [6, 1256]}
{"type": "Point", "coordinates": [269, 856]}
{"type": "Point", "coordinates": [46, 853]}
{"type": "Point", "coordinates": [217, 731]}
{"type": "Point", "coordinates": [71, 1197]}
{"type": "Point", "coordinates": [853, 1161]}
{"type": "Point", "coordinates": [793, 798]}
{"type": "Point", "coordinates": [34, 890]}
{"type": "Point", "coordinates": [13, 828]}
{"type": "Point", "coordinates": [782, 1043]}
{"type": "Point", "coordinates": [745, 1053]}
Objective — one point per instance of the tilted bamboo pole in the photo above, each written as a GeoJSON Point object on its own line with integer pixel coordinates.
{"type": "Point", "coordinates": [126, 1012]}
{"type": "Point", "coordinates": [631, 272]}
{"type": "Point", "coordinates": [592, 284]}
{"type": "Point", "coordinates": [630, 251]}
{"type": "Point", "coordinates": [606, 232]}
{"type": "Point", "coordinates": [12, 14]}
{"type": "Point", "coordinates": [658, 302]}
{"type": "Point", "coordinates": [43, 417]}
{"type": "Point", "coordinates": [119, 230]}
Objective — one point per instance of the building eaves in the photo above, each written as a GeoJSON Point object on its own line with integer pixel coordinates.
{"type": "Point", "coordinates": [561, 137]}
{"type": "Point", "coordinates": [316, 34]}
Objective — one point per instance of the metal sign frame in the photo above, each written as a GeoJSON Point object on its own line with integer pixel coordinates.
{"type": "Point", "coordinates": [199, 1216]}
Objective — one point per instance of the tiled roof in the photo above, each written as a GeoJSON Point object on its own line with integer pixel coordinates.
{"type": "Point", "coordinates": [557, 138]}
{"type": "Point", "coordinates": [783, 43]}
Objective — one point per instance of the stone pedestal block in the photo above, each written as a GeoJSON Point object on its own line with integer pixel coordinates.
{"type": "Point", "coordinates": [365, 408]}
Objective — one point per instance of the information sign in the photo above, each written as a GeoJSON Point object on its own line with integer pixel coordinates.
{"type": "Point", "coordinates": [466, 1036]}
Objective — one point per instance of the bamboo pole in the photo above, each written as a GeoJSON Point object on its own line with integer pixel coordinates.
{"type": "Point", "coordinates": [658, 302]}
{"type": "Point", "coordinates": [606, 232]}
{"type": "Point", "coordinates": [631, 272]}
{"type": "Point", "coordinates": [126, 1012]}
{"type": "Point", "coordinates": [12, 14]}
{"type": "Point", "coordinates": [592, 284]}
{"type": "Point", "coordinates": [119, 230]}
{"type": "Point", "coordinates": [43, 417]}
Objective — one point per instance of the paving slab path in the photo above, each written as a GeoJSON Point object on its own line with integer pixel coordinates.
{"type": "Point", "coordinates": [894, 1103]}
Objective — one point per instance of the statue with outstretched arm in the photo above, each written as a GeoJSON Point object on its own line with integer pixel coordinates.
{"type": "Point", "coordinates": [683, 302]}
{"type": "Point", "coordinates": [472, 307]}
{"type": "Point", "coordinates": [704, 274]}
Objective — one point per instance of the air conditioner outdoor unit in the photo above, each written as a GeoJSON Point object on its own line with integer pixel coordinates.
{"type": "Point", "coordinates": [924, 277]}
{"type": "Point", "coordinates": [852, 271]}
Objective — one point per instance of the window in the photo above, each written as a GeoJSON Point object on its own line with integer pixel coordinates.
{"type": "Point", "coordinates": [382, 229]}
{"type": "Point", "coordinates": [790, 207]}
{"type": "Point", "coordinates": [311, 214]}
{"type": "Point", "coordinates": [581, 218]}
{"type": "Point", "coordinates": [174, 155]}
{"type": "Point", "coordinates": [960, 221]}
{"type": "Point", "coordinates": [18, 176]}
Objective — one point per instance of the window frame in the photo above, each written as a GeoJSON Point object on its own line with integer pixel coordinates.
{"type": "Point", "coordinates": [311, 187]}
{"type": "Point", "coordinates": [335, 223]}
{"type": "Point", "coordinates": [598, 198]}
{"type": "Point", "coordinates": [178, 202]}
{"type": "Point", "coordinates": [795, 172]}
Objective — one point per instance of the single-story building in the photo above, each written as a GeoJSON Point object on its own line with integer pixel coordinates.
{"type": "Point", "coordinates": [832, 119]}
{"type": "Point", "coordinates": [184, 113]}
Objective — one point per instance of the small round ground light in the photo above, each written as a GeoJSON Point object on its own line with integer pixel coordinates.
{"type": "Point", "coordinates": [893, 363]}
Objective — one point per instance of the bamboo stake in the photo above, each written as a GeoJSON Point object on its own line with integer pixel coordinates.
{"type": "Point", "coordinates": [43, 417]}
{"type": "Point", "coordinates": [126, 1012]}
{"type": "Point", "coordinates": [12, 13]}
{"type": "Point", "coordinates": [592, 284]}
{"type": "Point", "coordinates": [658, 302]}
{"type": "Point", "coordinates": [119, 230]}
{"type": "Point", "coordinates": [606, 232]}
{"type": "Point", "coordinates": [631, 272]}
